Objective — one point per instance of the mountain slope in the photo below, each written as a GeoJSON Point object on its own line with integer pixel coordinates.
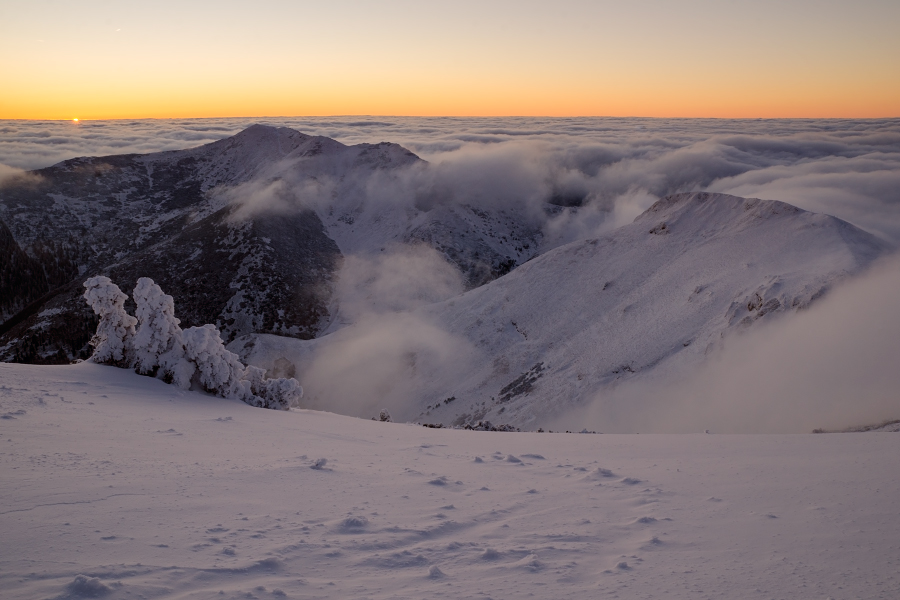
{"type": "Point", "coordinates": [118, 486]}
{"type": "Point", "coordinates": [654, 296]}
{"type": "Point", "coordinates": [159, 215]}
{"type": "Point", "coordinates": [246, 233]}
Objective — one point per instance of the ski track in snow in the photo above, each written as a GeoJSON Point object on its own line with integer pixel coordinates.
{"type": "Point", "coordinates": [145, 491]}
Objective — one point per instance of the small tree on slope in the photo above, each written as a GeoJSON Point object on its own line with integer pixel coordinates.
{"type": "Point", "coordinates": [115, 333]}
{"type": "Point", "coordinates": [280, 394]}
{"type": "Point", "coordinates": [220, 370]}
{"type": "Point", "coordinates": [158, 342]}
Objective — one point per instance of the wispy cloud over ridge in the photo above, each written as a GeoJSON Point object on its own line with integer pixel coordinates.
{"type": "Point", "coordinates": [848, 168]}
{"type": "Point", "coordinates": [831, 366]}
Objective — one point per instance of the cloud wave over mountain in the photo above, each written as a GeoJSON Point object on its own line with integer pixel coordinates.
{"type": "Point", "coordinates": [612, 168]}
{"type": "Point", "coordinates": [565, 180]}
{"type": "Point", "coordinates": [830, 367]}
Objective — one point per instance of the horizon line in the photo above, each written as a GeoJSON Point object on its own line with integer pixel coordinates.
{"type": "Point", "coordinates": [449, 116]}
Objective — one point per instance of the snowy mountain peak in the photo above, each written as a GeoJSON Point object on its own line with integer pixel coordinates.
{"type": "Point", "coordinates": [708, 208]}
{"type": "Point", "coordinates": [266, 134]}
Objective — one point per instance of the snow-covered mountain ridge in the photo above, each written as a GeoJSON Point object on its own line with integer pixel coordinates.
{"type": "Point", "coordinates": [250, 233]}
{"type": "Point", "coordinates": [246, 233]}
{"type": "Point", "coordinates": [651, 297]}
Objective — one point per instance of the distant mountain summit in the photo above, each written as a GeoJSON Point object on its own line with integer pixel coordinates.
{"type": "Point", "coordinates": [246, 233]}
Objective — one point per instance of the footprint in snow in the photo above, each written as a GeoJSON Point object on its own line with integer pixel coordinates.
{"type": "Point", "coordinates": [87, 587]}
{"type": "Point", "coordinates": [598, 473]}
{"type": "Point", "coordinates": [631, 481]}
{"type": "Point", "coordinates": [397, 560]}
{"type": "Point", "coordinates": [353, 523]}
{"type": "Point", "coordinates": [530, 563]}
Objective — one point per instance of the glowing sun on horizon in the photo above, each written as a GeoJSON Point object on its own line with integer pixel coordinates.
{"type": "Point", "coordinates": [75, 120]}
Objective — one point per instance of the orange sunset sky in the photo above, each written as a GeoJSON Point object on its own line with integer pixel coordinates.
{"type": "Point", "coordinates": [104, 59]}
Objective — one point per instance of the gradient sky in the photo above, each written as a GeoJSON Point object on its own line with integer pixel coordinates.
{"type": "Point", "coordinates": [95, 59]}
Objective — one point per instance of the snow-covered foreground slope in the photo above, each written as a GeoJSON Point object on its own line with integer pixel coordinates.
{"type": "Point", "coordinates": [119, 486]}
{"type": "Point", "coordinates": [659, 295]}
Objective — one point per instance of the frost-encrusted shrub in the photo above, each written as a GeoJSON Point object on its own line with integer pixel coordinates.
{"type": "Point", "coordinates": [281, 393]}
{"type": "Point", "coordinates": [223, 374]}
{"type": "Point", "coordinates": [160, 347]}
{"type": "Point", "coordinates": [113, 340]}
{"type": "Point", "coordinates": [220, 370]}
{"type": "Point", "coordinates": [158, 342]}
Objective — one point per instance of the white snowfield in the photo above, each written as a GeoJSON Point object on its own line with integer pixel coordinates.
{"type": "Point", "coordinates": [655, 297]}
{"type": "Point", "coordinates": [119, 486]}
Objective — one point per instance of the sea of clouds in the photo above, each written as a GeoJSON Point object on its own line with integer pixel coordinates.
{"type": "Point", "coordinates": [616, 167]}
{"type": "Point", "coordinates": [829, 367]}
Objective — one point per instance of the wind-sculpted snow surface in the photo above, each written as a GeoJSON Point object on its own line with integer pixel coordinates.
{"type": "Point", "coordinates": [117, 486]}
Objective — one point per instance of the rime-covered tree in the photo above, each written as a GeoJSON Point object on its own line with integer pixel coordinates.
{"type": "Point", "coordinates": [220, 370]}
{"type": "Point", "coordinates": [161, 347]}
{"type": "Point", "coordinates": [113, 342]}
{"type": "Point", "coordinates": [280, 394]}
{"type": "Point", "coordinates": [158, 342]}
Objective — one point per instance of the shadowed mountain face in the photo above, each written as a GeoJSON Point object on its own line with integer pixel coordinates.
{"type": "Point", "coordinates": [158, 215]}
{"type": "Point", "coordinates": [246, 233]}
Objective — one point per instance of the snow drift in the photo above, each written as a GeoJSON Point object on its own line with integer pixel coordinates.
{"type": "Point", "coordinates": [120, 485]}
